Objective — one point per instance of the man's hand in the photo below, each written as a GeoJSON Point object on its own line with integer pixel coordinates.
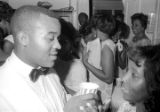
{"type": "Point", "coordinates": [82, 103]}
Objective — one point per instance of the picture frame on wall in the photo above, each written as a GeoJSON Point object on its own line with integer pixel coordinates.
{"type": "Point", "coordinates": [105, 7]}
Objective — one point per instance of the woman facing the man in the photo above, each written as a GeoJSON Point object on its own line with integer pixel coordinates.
{"type": "Point", "coordinates": [141, 84]}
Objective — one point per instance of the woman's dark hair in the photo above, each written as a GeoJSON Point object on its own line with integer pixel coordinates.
{"type": "Point", "coordinates": [82, 30]}
{"type": "Point", "coordinates": [1, 38]}
{"type": "Point", "coordinates": [119, 16]}
{"type": "Point", "coordinates": [124, 30]}
{"type": "Point", "coordinates": [106, 24]}
{"type": "Point", "coordinates": [142, 18]}
{"type": "Point", "coordinates": [69, 40]}
{"type": "Point", "coordinates": [151, 56]}
{"type": "Point", "coordinates": [86, 30]}
{"type": "Point", "coordinates": [91, 25]}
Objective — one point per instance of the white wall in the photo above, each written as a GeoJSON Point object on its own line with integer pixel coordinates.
{"type": "Point", "coordinates": [56, 3]}
{"type": "Point", "coordinates": [130, 7]}
{"type": "Point", "coordinates": [79, 6]}
{"type": "Point", "coordinates": [157, 24]}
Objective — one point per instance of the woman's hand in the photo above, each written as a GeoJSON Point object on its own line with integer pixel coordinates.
{"type": "Point", "coordinates": [82, 103]}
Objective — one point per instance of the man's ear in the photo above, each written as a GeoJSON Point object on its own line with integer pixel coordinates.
{"type": "Point", "coordinates": [23, 38]}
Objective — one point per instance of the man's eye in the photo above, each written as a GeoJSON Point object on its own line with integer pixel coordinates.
{"type": "Point", "coordinates": [51, 39]}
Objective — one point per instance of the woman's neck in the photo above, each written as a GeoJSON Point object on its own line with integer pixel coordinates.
{"type": "Point", "coordinates": [102, 36]}
{"type": "Point", "coordinates": [140, 36]}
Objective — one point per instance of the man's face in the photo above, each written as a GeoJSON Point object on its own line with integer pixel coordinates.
{"type": "Point", "coordinates": [134, 86]}
{"type": "Point", "coordinates": [43, 42]}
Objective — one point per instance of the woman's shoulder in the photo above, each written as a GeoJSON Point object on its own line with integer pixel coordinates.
{"type": "Point", "coordinates": [144, 42]}
{"type": "Point", "coordinates": [109, 43]}
{"type": "Point", "coordinates": [77, 65]}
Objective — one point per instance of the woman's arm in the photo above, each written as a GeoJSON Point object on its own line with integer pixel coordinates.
{"type": "Point", "coordinates": [107, 63]}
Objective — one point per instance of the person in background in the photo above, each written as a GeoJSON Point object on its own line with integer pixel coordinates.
{"type": "Point", "coordinates": [139, 25]}
{"type": "Point", "coordinates": [69, 58]}
{"type": "Point", "coordinates": [122, 35]}
{"type": "Point", "coordinates": [83, 21]}
{"type": "Point", "coordinates": [89, 34]}
{"type": "Point", "coordinates": [121, 60]}
{"type": "Point", "coordinates": [141, 84]}
{"type": "Point", "coordinates": [102, 64]}
{"type": "Point", "coordinates": [119, 17]}
{"type": "Point", "coordinates": [27, 81]}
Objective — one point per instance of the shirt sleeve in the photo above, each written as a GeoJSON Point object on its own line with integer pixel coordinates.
{"type": "Point", "coordinates": [5, 106]}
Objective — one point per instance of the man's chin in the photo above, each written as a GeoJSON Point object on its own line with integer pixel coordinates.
{"type": "Point", "coordinates": [129, 100]}
{"type": "Point", "coordinates": [49, 65]}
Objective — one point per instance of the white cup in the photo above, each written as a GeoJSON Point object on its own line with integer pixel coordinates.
{"type": "Point", "coordinates": [88, 87]}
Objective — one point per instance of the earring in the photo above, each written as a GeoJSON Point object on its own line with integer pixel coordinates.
{"type": "Point", "coordinates": [95, 35]}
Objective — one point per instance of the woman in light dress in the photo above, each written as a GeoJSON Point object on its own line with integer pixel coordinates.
{"type": "Point", "coordinates": [102, 74]}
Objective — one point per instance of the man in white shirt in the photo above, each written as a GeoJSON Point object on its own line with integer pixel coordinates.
{"type": "Point", "coordinates": [36, 31]}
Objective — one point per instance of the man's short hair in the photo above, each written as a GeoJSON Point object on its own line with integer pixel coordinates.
{"type": "Point", "coordinates": [25, 15]}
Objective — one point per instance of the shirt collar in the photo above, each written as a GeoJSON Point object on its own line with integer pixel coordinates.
{"type": "Point", "coordinates": [18, 65]}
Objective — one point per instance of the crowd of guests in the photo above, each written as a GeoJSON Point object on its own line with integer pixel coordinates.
{"type": "Point", "coordinates": [127, 72]}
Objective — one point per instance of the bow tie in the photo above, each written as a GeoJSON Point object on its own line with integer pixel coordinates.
{"type": "Point", "coordinates": [35, 73]}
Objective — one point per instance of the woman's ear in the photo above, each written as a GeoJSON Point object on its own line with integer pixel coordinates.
{"type": "Point", "coordinates": [23, 38]}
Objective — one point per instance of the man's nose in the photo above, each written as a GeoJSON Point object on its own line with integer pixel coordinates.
{"type": "Point", "coordinates": [56, 44]}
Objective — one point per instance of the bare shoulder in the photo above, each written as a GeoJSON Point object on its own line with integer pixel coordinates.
{"type": "Point", "coordinates": [107, 50]}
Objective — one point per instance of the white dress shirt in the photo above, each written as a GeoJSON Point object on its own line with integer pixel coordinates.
{"type": "Point", "coordinates": [19, 94]}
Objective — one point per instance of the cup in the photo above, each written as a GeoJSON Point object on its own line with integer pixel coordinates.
{"type": "Point", "coordinates": [88, 87]}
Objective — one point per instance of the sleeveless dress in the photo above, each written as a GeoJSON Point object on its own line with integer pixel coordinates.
{"type": "Point", "coordinates": [95, 60]}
